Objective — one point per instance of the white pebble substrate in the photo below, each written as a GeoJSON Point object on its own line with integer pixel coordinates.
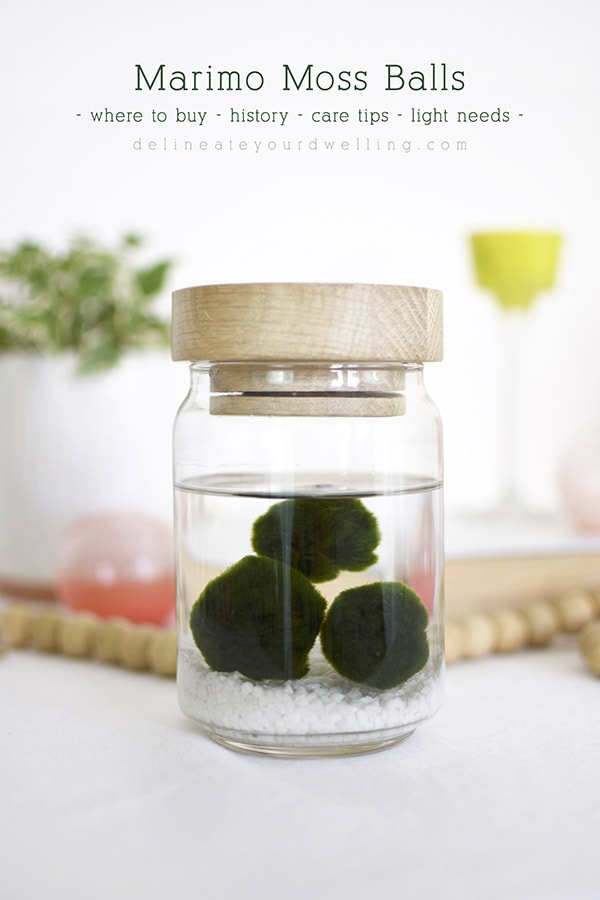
{"type": "Point", "coordinates": [320, 703]}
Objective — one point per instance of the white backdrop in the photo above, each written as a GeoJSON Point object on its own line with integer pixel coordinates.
{"type": "Point", "coordinates": [339, 215]}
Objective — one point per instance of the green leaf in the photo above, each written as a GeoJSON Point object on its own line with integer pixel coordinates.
{"type": "Point", "coordinates": [89, 299]}
{"type": "Point", "coordinates": [132, 240]}
{"type": "Point", "coordinates": [151, 280]}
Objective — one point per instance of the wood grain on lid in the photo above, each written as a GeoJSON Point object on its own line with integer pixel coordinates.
{"type": "Point", "coordinates": [309, 322]}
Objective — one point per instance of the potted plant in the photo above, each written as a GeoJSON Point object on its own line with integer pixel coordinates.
{"type": "Point", "coordinates": [86, 397]}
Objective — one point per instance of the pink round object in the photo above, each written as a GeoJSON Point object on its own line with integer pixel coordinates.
{"type": "Point", "coordinates": [579, 481]}
{"type": "Point", "coordinates": [118, 565]}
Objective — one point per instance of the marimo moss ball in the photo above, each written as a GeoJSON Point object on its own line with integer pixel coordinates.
{"type": "Point", "coordinates": [376, 635]}
{"type": "Point", "coordinates": [259, 618]}
{"type": "Point", "coordinates": [318, 536]}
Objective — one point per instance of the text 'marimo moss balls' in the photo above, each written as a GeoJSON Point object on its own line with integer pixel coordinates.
{"type": "Point", "coordinates": [259, 618]}
{"type": "Point", "coordinates": [376, 635]}
{"type": "Point", "coordinates": [318, 536]}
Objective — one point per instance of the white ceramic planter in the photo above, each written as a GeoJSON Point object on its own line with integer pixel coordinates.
{"type": "Point", "coordinates": [74, 445]}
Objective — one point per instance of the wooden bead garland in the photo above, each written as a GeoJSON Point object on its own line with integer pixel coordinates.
{"type": "Point", "coordinates": [589, 646]}
{"type": "Point", "coordinates": [134, 647]}
{"type": "Point", "coordinates": [576, 609]}
{"type": "Point", "coordinates": [76, 636]}
{"type": "Point", "coordinates": [542, 621]}
{"type": "Point", "coordinates": [162, 653]}
{"type": "Point", "coordinates": [479, 635]}
{"type": "Point", "coordinates": [454, 639]}
{"type": "Point", "coordinates": [505, 631]}
{"type": "Point", "coordinates": [511, 630]}
{"type": "Point", "coordinates": [82, 635]}
{"type": "Point", "coordinates": [149, 648]}
{"type": "Point", "coordinates": [107, 646]}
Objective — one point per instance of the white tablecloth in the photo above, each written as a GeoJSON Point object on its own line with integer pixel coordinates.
{"type": "Point", "coordinates": [109, 792]}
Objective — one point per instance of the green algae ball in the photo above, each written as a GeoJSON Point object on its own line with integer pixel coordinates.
{"type": "Point", "coordinates": [318, 536]}
{"type": "Point", "coordinates": [376, 634]}
{"type": "Point", "coordinates": [259, 618]}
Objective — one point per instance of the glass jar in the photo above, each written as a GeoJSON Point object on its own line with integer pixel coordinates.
{"type": "Point", "coordinates": [308, 515]}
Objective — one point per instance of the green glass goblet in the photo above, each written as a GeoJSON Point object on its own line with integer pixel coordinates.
{"type": "Point", "coordinates": [516, 266]}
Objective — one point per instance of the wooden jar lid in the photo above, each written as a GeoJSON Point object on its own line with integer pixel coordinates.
{"type": "Point", "coordinates": [307, 322]}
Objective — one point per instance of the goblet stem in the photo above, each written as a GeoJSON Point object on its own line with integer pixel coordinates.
{"type": "Point", "coordinates": [514, 327]}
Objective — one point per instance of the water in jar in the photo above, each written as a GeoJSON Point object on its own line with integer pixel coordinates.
{"type": "Point", "coordinates": [283, 644]}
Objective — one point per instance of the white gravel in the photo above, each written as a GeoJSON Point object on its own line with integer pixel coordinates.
{"type": "Point", "coordinates": [320, 703]}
